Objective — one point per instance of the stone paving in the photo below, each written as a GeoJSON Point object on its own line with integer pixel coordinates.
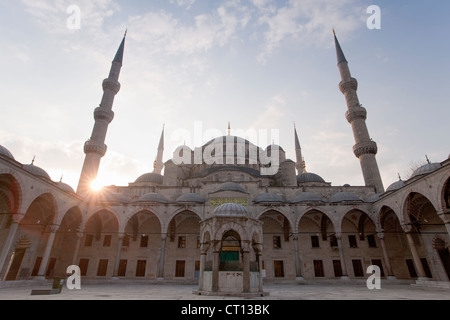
{"type": "Point", "coordinates": [321, 291]}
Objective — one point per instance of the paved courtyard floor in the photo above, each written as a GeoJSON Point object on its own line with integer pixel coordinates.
{"type": "Point", "coordinates": [330, 291]}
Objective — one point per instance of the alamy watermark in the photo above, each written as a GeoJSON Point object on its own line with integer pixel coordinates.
{"type": "Point", "coordinates": [374, 281]}
{"type": "Point", "coordinates": [74, 280]}
{"type": "Point", "coordinates": [374, 21]}
{"type": "Point", "coordinates": [73, 22]}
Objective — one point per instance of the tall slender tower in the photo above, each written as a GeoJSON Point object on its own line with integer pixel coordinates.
{"type": "Point", "coordinates": [95, 147]}
{"type": "Point", "coordinates": [299, 165]}
{"type": "Point", "coordinates": [159, 164]}
{"type": "Point", "coordinates": [365, 148]}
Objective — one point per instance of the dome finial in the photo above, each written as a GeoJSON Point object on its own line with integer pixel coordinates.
{"type": "Point", "coordinates": [32, 161]}
{"type": "Point", "coordinates": [399, 177]}
{"type": "Point", "coordinates": [229, 128]}
{"type": "Point", "coordinates": [428, 160]}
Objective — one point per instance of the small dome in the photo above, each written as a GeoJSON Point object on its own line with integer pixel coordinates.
{"type": "Point", "coordinates": [344, 196]}
{"type": "Point", "coordinates": [396, 185]}
{"type": "Point", "coordinates": [373, 198]}
{"type": "Point", "coordinates": [231, 186]}
{"type": "Point", "coordinates": [309, 177]}
{"type": "Point", "coordinates": [5, 152]}
{"type": "Point", "coordinates": [231, 210]}
{"type": "Point", "coordinates": [274, 146]}
{"type": "Point", "coordinates": [429, 167]}
{"type": "Point", "coordinates": [150, 178]}
{"type": "Point", "coordinates": [306, 197]}
{"type": "Point", "coordinates": [31, 168]}
{"type": "Point", "coordinates": [268, 197]}
{"type": "Point", "coordinates": [152, 197]}
{"type": "Point", "coordinates": [191, 198]}
{"type": "Point", "coordinates": [65, 187]}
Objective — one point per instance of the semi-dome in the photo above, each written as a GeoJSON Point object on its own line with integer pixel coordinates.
{"type": "Point", "coordinates": [231, 210]}
{"type": "Point", "coordinates": [268, 197]}
{"type": "Point", "coordinates": [6, 153]}
{"type": "Point", "coordinates": [309, 177]}
{"type": "Point", "coordinates": [396, 185]}
{"type": "Point", "coordinates": [306, 197]}
{"type": "Point", "coordinates": [344, 196]}
{"type": "Point", "coordinates": [152, 197]}
{"type": "Point", "coordinates": [150, 178]}
{"type": "Point", "coordinates": [231, 186]}
{"type": "Point", "coordinates": [35, 170]}
{"type": "Point", "coordinates": [427, 168]}
{"type": "Point", "coordinates": [191, 198]}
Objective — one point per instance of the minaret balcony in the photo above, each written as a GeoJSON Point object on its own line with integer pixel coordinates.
{"type": "Point", "coordinates": [369, 147]}
{"type": "Point", "coordinates": [93, 147]}
{"type": "Point", "coordinates": [111, 85]}
{"type": "Point", "coordinates": [356, 113]}
{"type": "Point", "coordinates": [350, 84]}
{"type": "Point", "coordinates": [103, 114]}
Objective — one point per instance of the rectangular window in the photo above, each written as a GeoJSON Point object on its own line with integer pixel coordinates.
{"type": "Point", "coordinates": [357, 268]}
{"type": "Point", "coordinates": [126, 241]}
{"type": "Point", "coordinates": [107, 240]}
{"type": "Point", "coordinates": [276, 242]}
{"type": "Point", "coordinates": [84, 263]}
{"type": "Point", "coordinates": [337, 268]}
{"type": "Point", "coordinates": [88, 240]}
{"type": "Point", "coordinates": [378, 263]}
{"type": "Point", "coordinates": [37, 265]}
{"type": "Point", "coordinates": [179, 268]}
{"type": "Point", "coordinates": [426, 267]}
{"type": "Point", "coordinates": [318, 268]}
{"type": "Point", "coordinates": [411, 268]}
{"type": "Point", "coordinates": [102, 267]}
{"type": "Point", "coordinates": [144, 241]}
{"type": "Point", "coordinates": [352, 241]}
{"type": "Point", "coordinates": [371, 240]}
{"type": "Point", "coordinates": [333, 241]}
{"type": "Point", "coordinates": [140, 268]}
{"type": "Point", "coordinates": [122, 268]}
{"type": "Point", "coordinates": [278, 267]}
{"type": "Point", "coordinates": [182, 242]}
{"type": "Point", "coordinates": [197, 269]}
{"type": "Point", "coordinates": [315, 242]}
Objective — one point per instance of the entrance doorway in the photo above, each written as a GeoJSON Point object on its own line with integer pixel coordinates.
{"type": "Point", "coordinates": [15, 264]}
{"type": "Point", "coordinates": [445, 258]}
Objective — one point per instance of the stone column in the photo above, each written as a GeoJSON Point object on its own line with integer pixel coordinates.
{"type": "Point", "coordinates": [204, 252]}
{"type": "Point", "coordinates": [77, 247]}
{"type": "Point", "coordinates": [215, 267]}
{"type": "Point", "coordinates": [47, 251]}
{"type": "Point", "coordinates": [119, 251]}
{"type": "Point", "coordinates": [9, 240]}
{"type": "Point", "coordinates": [416, 259]}
{"type": "Point", "coordinates": [387, 261]}
{"type": "Point", "coordinates": [246, 262]}
{"type": "Point", "coordinates": [342, 257]}
{"type": "Point", "coordinates": [162, 257]}
{"type": "Point", "coordinates": [258, 253]}
{"type": "Point", "coordinates": [298, 262]}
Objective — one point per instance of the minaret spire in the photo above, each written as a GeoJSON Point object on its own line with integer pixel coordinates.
{"type": "Point", "coordinates": [365, 148]}
{"type": "Point", "coordinates": [95, 147]}
{"type": "Point", "coordinates": [298, 153]}
{"type": "Point", "coordinates": [159, 164]}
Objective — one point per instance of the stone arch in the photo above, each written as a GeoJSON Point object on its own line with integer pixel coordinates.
{"type": "Point", "coordinates": [10, 193]}
{"type": "Point", "coordinates": [445, 196]}
{"type": "Point", "coordinates": [280, 219]}
{"type": "Point", "coordinates": [143, 222]}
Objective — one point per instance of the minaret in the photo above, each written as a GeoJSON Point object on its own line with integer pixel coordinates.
{"type": "Point", "coordinates": [299, 165]}
{"type": "Point", "coordinates": [365, 148]}
{"type": "Point", "coordinates": [159, 164]}
{"type": "Point", "coordinates": [95, 147]}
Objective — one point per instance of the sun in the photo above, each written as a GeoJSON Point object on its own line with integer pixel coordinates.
{"type": "Point", "coordinates": [96, 185]}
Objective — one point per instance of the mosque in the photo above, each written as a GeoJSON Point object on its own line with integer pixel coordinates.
{"type": "Point", "coordinates": [229, 224]}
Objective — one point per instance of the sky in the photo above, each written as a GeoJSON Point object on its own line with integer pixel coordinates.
{"type": "Point", "coordinates": [195, 65]}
